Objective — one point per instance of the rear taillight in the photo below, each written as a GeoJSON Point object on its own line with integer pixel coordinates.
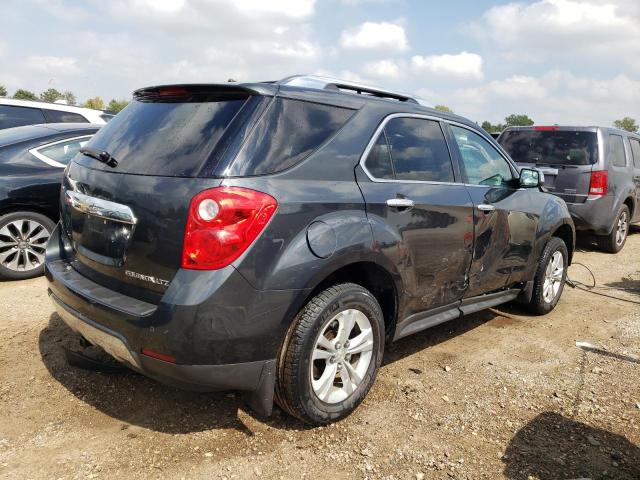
{"type": "Point", "coordinates": [598, 185]}
{"type": "Point", "coordinates": [222, 223]}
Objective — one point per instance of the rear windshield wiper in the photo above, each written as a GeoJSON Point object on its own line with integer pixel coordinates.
{"type": "Point", "coordinates": [100, 155]}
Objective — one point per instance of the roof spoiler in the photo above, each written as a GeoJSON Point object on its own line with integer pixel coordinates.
{"type": "Point", "coordinates": [183, 92]}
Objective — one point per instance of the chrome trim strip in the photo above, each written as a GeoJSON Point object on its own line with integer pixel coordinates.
{"type": "Point", "coordinates": [372, 142]}
{"type": "Point", "coordinates": [100, 208]}
{"type": "Point", "coordinates": [49, 161]}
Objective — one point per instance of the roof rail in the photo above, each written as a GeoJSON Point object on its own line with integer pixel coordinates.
{"type": "Point", "coordinates": [328, 83]}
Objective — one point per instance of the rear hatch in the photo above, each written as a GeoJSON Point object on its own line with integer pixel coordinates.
{"type": "Point", "coordinates": [125, 212]}
{"type": "Point", "coordinates": [566, 156]}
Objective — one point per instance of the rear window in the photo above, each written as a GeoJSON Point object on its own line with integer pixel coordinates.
{"type": "Point", "coordinates": [288, 133]}
{"type": "Point", "coordinates": [635, 151]}
{"type": "Point", "coordinates": [12, 116]}
{"type": "Point", "coordinates": [554, 147]}
{"type": "Point", "coordinates": [58, 116]}
{"type": "Point", "coordinates": [163, 138]}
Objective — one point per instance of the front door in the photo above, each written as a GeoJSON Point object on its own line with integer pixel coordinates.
{"type": "Point", "coordinates": [422, 219]}
{"type": "Point", "coordinates": [505, 220]}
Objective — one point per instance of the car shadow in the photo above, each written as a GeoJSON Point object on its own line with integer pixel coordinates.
{"type": "Point", "coordinates": [137, 400]}
{"type": "Point", "coordinates": [630, 284]}
{"type": "Point", "coordinates": [552, 446]}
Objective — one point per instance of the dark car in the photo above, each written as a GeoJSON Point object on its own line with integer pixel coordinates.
{"type": "Point", "coordinates": [272, 237]}
{"type": "Point", "coordinates": [32, 160]}
{"type": "Point", "coordinates": [595, 170]}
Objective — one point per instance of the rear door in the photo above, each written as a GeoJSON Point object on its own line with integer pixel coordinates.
{"type": "Point", "coordinates": [505, 215]}
{"type": "Point", "coordinates": [566, 156]}
{"type": "Point", "coordinates": [421, 217]}
{"type": "Point", "coordinates": [635, 153]}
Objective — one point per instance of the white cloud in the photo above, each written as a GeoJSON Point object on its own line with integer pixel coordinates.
{"type": "Point", "coordinates": [383, 69]}
{"type": "Point", "coordinates": [463, 64]}
{"type": "Point", "coordinates": [289, 8]}
{"type": "Point", "coordinates": [564, 30]}
{"type": "Point", "coordinates": [51, 65]}
{"type": "Point", "coordinates": [376, 36]}
{"type": "Point", "coordinates": [557, 96]}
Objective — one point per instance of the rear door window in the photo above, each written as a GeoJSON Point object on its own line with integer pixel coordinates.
{"type": "Point", "coordinates": [288, 133]}
{"type": "Point", "coordinates": [58, 116]}
{"type": "Point", "coordinates": [551, 147]}
{"type": "Point", "coordinates": [616, 151]}
{"type": "Point", "coordinates": [12, 116]}
{"type": "Point", "coordinates": [482, 162]}
{"type": "Point", "coordinates": [165, 138]}
{"type": "Point", "coordinates": [635, 150]}
{"type": "Point", "coordinates": [419, 150]}
{"type": "Point", "coordinates": [378, 161]}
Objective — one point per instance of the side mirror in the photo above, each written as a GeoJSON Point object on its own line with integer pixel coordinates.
{"type": "Point", "coordinates": [531, 178]}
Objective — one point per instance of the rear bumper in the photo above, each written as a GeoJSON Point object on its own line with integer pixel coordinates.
{"type": "Point", "coordinates": [594, 215]}
{"type": "Point", "coordinates": [223, 333]}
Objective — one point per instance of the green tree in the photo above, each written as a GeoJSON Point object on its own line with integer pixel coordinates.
{"type": "Point", "coordinates": [50, 95]}
{"type": "Point", "coordinates": [514, 120]}
{"type": "Point", "coordinates": [22, 94]}
{"type": "Point", "coordinates": [96, 103]}
{"type": "Point", "coordinates": [489, 127]}
{"type": "Point", "coordinates": [443, 108]}
{"type": "Point", "coordinates": [116, 105]}
{"type": "Point", "coordinates": [3, 91]}
{"type": "Point", "coordinates": [69, 97]}
{"type": "Point", "coordinates": [627, 123]}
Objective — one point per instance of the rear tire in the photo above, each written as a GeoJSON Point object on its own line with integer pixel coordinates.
{"type": "Point", "coordinates": [319, 379]}
{"type": "Point", "coordinates": [614, 242]}
{"type": "Point", "coordinates": [23, 240]}
{"type": "Point", "coordinates": [550, 277]}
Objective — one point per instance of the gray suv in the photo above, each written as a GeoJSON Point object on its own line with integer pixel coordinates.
{"type": "Point", "coordinates": [595, 170]}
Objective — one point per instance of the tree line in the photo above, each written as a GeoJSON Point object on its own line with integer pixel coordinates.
{"type": "Point", "coordinates": [52, 95]}
{"type": "Point", "coordinates": [519, 120]}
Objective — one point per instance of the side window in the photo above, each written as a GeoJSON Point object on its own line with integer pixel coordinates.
{"type": "Point", "coordinates": [287, 134]}
{"type": "Point", "coordinates": [12, 116]}
{"type": "Point", "coordinates": [57, 116]}
{"type": "Point", "coordinates": [378, 161]}
{"type": "Point", "coordinates": [635, 150]}
{"type": "Point", "coordinates": [60, 152]}
{"type": "Point", "coordinates": [483, 163]}
{"type": "Point", "coordinates": [418, 150]}
{"type": "Point", "coordinates": [616, 151]}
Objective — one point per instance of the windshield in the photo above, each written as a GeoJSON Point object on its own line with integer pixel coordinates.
{"type": "Point", "coordinates": [552, 147]}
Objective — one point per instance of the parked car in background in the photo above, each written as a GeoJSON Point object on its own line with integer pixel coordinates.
{"type": "Point", "coordinates": [16, 113]}
{"type": "Point", "coordinates": [596, 170]}
{"type": "Point", "coordinates": [272, 237]}
{"type": "Point", "coordinates": [32, 159]}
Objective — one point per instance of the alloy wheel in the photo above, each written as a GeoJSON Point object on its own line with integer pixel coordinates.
{"type": "Point", "coordinates": [22, 245]}
{"type": "Point", "coordinates": [341, 356]}
{"type": "Point", "coordinates": [553, 277]}
{"type": "Point", "coordinates": [621, 228]}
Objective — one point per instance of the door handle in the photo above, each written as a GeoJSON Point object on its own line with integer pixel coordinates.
{"type": "Point", "coordinates": [485, 207]}
{"type": "Point", "coordinates": [400, 203]}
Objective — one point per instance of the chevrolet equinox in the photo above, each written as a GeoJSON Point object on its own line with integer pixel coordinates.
{"type": "Point", "coordinates": [272, 237]}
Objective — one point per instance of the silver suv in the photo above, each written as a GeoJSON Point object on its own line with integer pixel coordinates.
{"type": "Point", "coordinates": [595, 170]}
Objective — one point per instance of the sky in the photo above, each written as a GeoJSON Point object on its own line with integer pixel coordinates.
{"type": "Point", "coordinates": [558, 61]}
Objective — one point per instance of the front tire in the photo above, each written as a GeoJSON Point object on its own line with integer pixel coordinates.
{"type": "Point", "coordinates": [550, 277]}
{"type": "Point", "coordinates": [23, 241]}
{"type": "Point", "coordinates": [331, 355]}
{"type": "Point", "coordinates": [614, 242]}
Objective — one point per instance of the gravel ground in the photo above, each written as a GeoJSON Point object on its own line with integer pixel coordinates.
{"type": "Point", "coordinates": [497, 394]}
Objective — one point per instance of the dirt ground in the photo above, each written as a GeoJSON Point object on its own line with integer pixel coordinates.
{"type": "Point", "coordinates": [498, 394]}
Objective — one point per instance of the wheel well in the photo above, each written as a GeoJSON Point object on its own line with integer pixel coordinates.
{"type": "Point", "coordinates": [28, 208]}
{"type": "Point", "coordinates": [629, 203]}
{"type": "Point", "coordinates": [564, 233]}
{"type": "Point", "coordinates": [375, 279]}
